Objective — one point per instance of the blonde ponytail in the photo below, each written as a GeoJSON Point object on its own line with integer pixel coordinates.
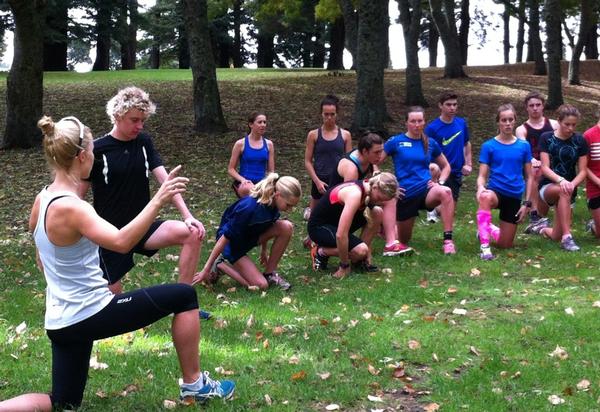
{"type": "Point", "coordinates": [265, 190]}
{"type": "Point", "coordinates": [63, 140]}
{"type": "Point", "coordinates": [387, 184]}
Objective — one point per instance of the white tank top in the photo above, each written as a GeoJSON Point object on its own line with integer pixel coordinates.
{"type": "Point", "coordinates": [76, 289]}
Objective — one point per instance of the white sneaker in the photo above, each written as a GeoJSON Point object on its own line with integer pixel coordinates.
{"type": "Point", "coordinates": [432, 217]}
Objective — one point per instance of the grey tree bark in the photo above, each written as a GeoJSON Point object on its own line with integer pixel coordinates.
{"type": "Point", "coordinates": [535, 43]}
{"type": "Point", "coordinates": [103, 29]}
{"type": "Point", "coordinates": [444, 21]}
{"type": "Point", "coordinates": [587, 21]}
{"type": "Point", "coordinates": [521, 31]}
{"type": "Point", "coordinates": [463, 33]}
{"type": "Point", "coordinates": [208, 114]}
{"type": "Point", "coordinates": [410, 18]}
{"type": "Point", "coordinates": [370, 109]}
{"type": "Point", "coordinates": [24, 84]}
{"type": "Point", "coordinates": [351, 27]}
{"type": "Point", "coordinates": [552, 16]}
{"type": "Point", "coordinates": [336, 45]}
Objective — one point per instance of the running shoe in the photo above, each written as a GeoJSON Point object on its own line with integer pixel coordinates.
{"type": "Point", "coordinates": [432, 217]}
{"type": "Point", "coordinates": [319, 262]}
{"type": "Point", "coordinates": [275, 279]}
{"type": "Point", "coordinates": [204, 315]}
{"type": "Point", "coordinates": [366, 267]}
{"type": "Point", "coordinates": [211, 389]}
{"type": "Point", "coordinates": [448, 247]}
{"type": "Point", "coordinates": [590, 226]}
{"type": "Point", "coordinates": [537, 226]}
{"type": "Point", "coordinates": [486, 253]}
{"type": "Point", "coordinates": [306, 214]}
{"type": "Point", "coordinates": [397, 249]}
{"type": "Point", "coordinates": [215, 273]}
{"type": "Point", "coordinates": [567, 243]}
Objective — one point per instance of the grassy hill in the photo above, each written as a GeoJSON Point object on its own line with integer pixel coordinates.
{"type": "Point", "coordinates": [394, 336]}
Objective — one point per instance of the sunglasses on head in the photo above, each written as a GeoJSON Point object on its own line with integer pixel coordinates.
{"type": "Point", "coordinates": [81, 130]}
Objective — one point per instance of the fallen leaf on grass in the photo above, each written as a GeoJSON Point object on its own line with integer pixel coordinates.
{"type": "Point", "coordinates": [299, 376]}
{"type": "Point", "coordinates": [286, 300]}
{"type": "Point", "coordinates": [221, 370]}
{"type": "Point", "coordinates": [294, 360]}
{"type": "Point", "coordinates": [129, 389]}
{"type": "Point", "coordinates": [233, 289]}
{"type": "Point", "coordinates": [253, 288]}
{"type": "Point", "coordinates": [169, 404]}
{"type": "Point", "coordinates": [398, 372]}
{"type": "Point", "coordinates": [324, 376]}
{"type": "Point", "coordinates": [373, 370]}
{"type": "Point", "coordinates": [452, 290]}
{"type": "Point", "coordinates": [374, 398]}
{"type": "Point", "coordinates": [268, 400]}
{"type": "Point", "coordinates": [266, 344]}
{"type": "Point", "coordinates": [94, 364]}
{"type": "Point", "coordinates": [21, 328]}
{"type": "Point", "coordinates": [414, 344]}
{"type": "Point", "coordinates": [250, 321]}
{"type": "Point", "coordinates": [367, 315]}
{"type": "Point", "coordinates": [220, 324]}
{"type": "Point", "coordinates": [101, 394]}
{"type": "Point", "coordinates": [596, 304]}
{"type": "Point", "coordinates": [475, 272]}
{"type": "Point", "coordinates": [569, 311]}
{"type": "Point", "coordinates": [431, 407]}
{"type": "Point", "coordinates": [559, 353]}
{"type": "Point", "coordinates": [278, 330]}
{"type": "Point", "coordinates": [583, 385]}
{"type": "Point", "coordinates": [458, 311]}
{"type": "Point", "coordinates": [474, 351]}
{"type": "Point", "coordinates": [424, 283]}
{"type": "Point", "coordinates": [332, 407]}
{"type": "Point", "coordinates": [555, 400]}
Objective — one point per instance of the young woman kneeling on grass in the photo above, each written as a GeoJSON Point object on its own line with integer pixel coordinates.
{"type": "Point", "coordinates": [80, 308]}
{"type": "Point", "coordinates": [505, 160]}
{"type": "Point", "coordinates": [412, 152]}
{"type": "Point", "coordinates": [252, 221]}
{"type": "Point", "coordinates": [341, 211]}
{"type": "Point", "coordinates": [564, 165]}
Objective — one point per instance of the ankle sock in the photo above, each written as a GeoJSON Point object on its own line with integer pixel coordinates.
{"type": "Point", "coordinates": [448, 235]}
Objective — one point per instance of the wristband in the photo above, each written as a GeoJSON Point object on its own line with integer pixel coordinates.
{"type": "Point", "coordinates": [344, 265]}
{"type": "Point", "coordinates": [526, 203]}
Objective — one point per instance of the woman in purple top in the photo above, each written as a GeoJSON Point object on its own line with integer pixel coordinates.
{"type": "Point", "coordinates": [254, 154]}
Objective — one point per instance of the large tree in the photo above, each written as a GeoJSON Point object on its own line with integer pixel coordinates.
{"type": "Point", "coordinates": [104, 27]}
{"type": "Point", "coordinates": [534, 51]}
{"type": "Point", "coordinates": [588, 20]}
{"type": "Point", "coordinates": [370, 109]}
{"type": "Point", "coordinates": [442, 12]}
{"type": "Point", "coordinates": [208, 114]}
{"type": "Point", "coordinates": [410, 18]}
{"type": "Point", "coordinates": [24, 85]}
{"type": "Point", "coordinates": [552, 16]}
{"type": "Point", "coordinates": [351, 26]}
{"type": "Point", "coordinates": [127, 32]}
{"type": "Point", "coordinates": [56, 35]}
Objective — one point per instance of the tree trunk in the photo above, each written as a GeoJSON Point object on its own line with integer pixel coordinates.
{"type": "Point", "coordinates": [463, 34]}
{"type": "Point", "coordinates": [127, 33]}
{"type": "Point", "coordinates": [24, 84]}
{"type": "Point", "coordinates": [336, 45]}
{"type": "Point", "coordinates": [237, 34]}
{"type": "Point", "coordinates": [444, 21]}
{"type": "Point", "coordinates": [318, 60]}
{"type": "Point", "coordinates": [154, 57]}
{"type": "Point", "coordinates": [552, 16]}
{"type": "Point", "coordinates": [56, 36]}
{"type": "Point", "coordinates": [265, 55]}
{"type": "Point", "coordinates": [351, 27]}
{"type": "Point", "coordinates": [587, 21]}
{"type": "Point", "coordinates": [535, 43]}
{"type": "Point", "coordinates": [506, 40]}
{"type": "Point", "coordinates": [370, 110]}
{"type": "Point", "coordinates": [591, 45]}
{"type": "Point", "coordinates": [183, 49]}
{"type": "Point", "coordinates": [521, 31]}
{"type": "Point", "coordinates": [208, 114]}
{"type": "Point", "coordinates": [434, 38]}
{"type": "Point", "coordinates": [411, 24]}
{"type": "Point", "coordinates": [103, 29]}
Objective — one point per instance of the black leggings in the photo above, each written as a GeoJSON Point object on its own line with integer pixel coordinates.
{"type": "Point", "coordinates": [72, 345]}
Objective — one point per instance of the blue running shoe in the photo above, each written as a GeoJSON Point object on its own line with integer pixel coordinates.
{"type": "Point", "coordinates": [204, 315]}
{"type": "Point", "coordinates": [211, 389]}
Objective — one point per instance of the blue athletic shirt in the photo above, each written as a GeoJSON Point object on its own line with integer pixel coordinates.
{"type": "Point", "coordinates": [452, 138]}
{"type": "Point", "coordinates": [242, 224]}
{"type": "Point", "coordinates": [411, 164]}
{"type": "Point", "coordinates": [506, 163]}
{"type": "Point", "coordinates": [254, 162]}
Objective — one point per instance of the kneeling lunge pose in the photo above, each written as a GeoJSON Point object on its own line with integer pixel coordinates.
{"type": "Point", "coordinates": [503, 161]}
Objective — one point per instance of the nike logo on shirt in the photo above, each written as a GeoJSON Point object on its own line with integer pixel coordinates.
{"type": "Point", "coordinates": [446, 142]}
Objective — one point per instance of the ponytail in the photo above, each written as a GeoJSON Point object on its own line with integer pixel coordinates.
{"type": "Point", "coordinates": [387, 184]}
{"type": "Point", "coordinates": [265, 190]}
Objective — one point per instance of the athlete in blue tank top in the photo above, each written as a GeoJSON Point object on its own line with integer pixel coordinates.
{"type": "Point", "coordinates": [255, 155]}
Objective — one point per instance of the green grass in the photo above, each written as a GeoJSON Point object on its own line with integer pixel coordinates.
{"type": "Point", "coordinates": [494, 358]}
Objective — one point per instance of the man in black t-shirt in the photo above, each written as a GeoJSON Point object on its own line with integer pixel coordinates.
{"type": "Point", "coordinates": [120, 179]}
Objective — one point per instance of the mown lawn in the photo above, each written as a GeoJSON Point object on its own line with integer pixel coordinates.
{"type": "Point", "coordinates": [429, 330]}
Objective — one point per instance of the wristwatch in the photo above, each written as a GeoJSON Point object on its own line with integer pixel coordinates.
{"type": "Point", "coordinates": [526, 203]}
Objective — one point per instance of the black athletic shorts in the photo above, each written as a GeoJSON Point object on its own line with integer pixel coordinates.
{"type": "Point", "coordinates": [115, 265]}
{"type": "Point", "coordinates": [594, 203]}
{"type": "Point", "coordinates": [314, 192]}
{"type": "Point", "coordinates": [508, 206]}
{"type": "Point", "coordinates": [409, 208]}
{"type": "Point", "coordinates": [325, 235]}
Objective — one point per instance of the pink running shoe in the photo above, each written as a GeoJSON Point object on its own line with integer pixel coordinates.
{"type": "Point", "coordinates": [448, 247]}
{"type": "Point", "coordinates": [397, 249]}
